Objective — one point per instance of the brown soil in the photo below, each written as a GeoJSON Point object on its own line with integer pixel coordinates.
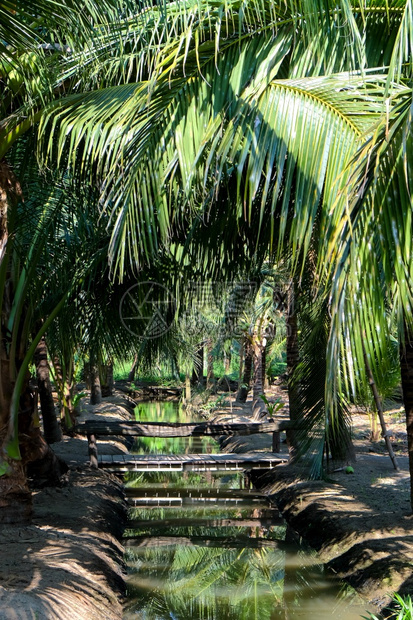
{"type": "Point", "coordinates": [67, 565]}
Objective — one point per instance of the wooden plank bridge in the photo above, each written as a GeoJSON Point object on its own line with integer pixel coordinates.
{"type": "Point", "coordinates": [154, 496]}
{"type": "Point", "coordinates": [183, 462]}
{"type": "Point", "coordinates": [189, 462]}
{"type": "Point", "coordinates": [229, 542]}
{"type": "Point", "coordinates": [161, 524]}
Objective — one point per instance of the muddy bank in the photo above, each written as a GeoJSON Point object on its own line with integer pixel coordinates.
{"type": "Point", "coordinates": [369, 547]}
{"type": "Point", "coordinates": [68, 564]}
{"type": "Point", "coordinates": [360, 524]}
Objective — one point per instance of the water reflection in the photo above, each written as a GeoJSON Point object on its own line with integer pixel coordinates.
{"type": "Point", "coordinates": [217, 574]}
{"type": "Point", "coordinates": [170, 412]}
{"type": "Point", "coordinates": [204, 547]}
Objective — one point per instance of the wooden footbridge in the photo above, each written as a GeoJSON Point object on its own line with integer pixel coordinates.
{"type": "Point", "coordinates": [190, 496]}
{"type": "Point", "coordinates": [182, 462]}
{"type": "Point", "coordinates": [226, 542]}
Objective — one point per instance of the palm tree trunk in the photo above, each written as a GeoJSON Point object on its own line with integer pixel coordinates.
{"type": "Point", "coordinates": [107, 383]}
{"type": "Point", "coordinates": [63, 374]}
{"type": "Point", "coordinates": [15, 496]}
{"type": "Point", "coordinates": [187, 388]}
{"type": "Point", "coordinates": [339, 441]}
{"type": "Point", "coordinates": [259, 408]}
{"type": "Point", "coordinates": [246, 379]}
{"type": "Point", "coordinates": [109, 378]}
{"type": "Point", "coordinates": [132, 372]}
{"type": "Point", "coordinates": [265, 383]}
{"type": "Point", "coordinates": [51, 427]}
{"type": "Point", "coordinates": [406, 367]}
{"type": "Point", "coordinates": [241, 366]}
{"type": "Point", "coordinates": [95, 388]}
{"type": "Point", "coordinates": [210, 366]}
{"type": "Point", "coordinates": [293, 357]}
{"type": "Point", "coordinates": [293, 354]}
{"type": "Point", "coordinates": [257, 386]}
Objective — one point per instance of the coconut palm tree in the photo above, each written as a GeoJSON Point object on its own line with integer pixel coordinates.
{"type": "Point", "coordinates": [290, 119]}
{"type": "Point", "coordinates": [35, 255]}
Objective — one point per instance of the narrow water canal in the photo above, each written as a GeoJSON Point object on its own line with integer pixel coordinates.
{"type": "Point", "coordinates": [203, 547]}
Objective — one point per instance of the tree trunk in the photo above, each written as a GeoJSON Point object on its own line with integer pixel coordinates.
{"type": "Point", "coordinates": [63, 374]}
{"type": "Point", "coordinates": [132, 372]}
{"type": "Point", "coordinates": [258, 386]}
{"type": "Point", "coordinates": [293, 357]}
{"type": "Point", "coordinates": [175, 368]}
{"type": "Point", "coordinates": [339, 441]}
{"type": "Point", "coordinates": [259, 408]}
{"type": "Point", "coordinates": [95, 389]}
{"type": "Point", "coordinates": [379, 407]}
{"type": "Point", "coordinates": [374, 427]}
{"type": "Point", "coordinates": [107, 383]}
{"type": "Point", "coordinates": [406, 367]}
{"type": "Point", "coordinates": [15, 496]}
{"type": "Point", "coordinates": [241, 366]}
{"type": "Point", "coordinates": [40, 461]}
{"type": "Point", "coordinates": [265, 383]}
{"type": "Point", "coordinates": [37, 460]}
{"type": "Point", "coordinates": [109, 378]}
{"type": "Point", "coordinates": [86, 374]}
{"type": "Point", "coordinates": [246, 379]}
{"type": "Point", "coordinates": [51, 426]}
{"type": "Point", "coordinates": [210, 366]}
{"type": "Point", "coordinates": [187, 388]}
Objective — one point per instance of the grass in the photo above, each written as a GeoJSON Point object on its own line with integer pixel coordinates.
{"type": "Point", "coordinates": [402, 606]}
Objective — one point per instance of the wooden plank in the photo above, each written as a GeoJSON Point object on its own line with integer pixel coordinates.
{"type": "Point", "coordinates": [231, 502]}
{"type": "Point", "coordinates": [188, 500]}
{"type": "Point", "coordinates": [230, 542]}
{"type": "Point", "coordinates": [205, 522]}
{"type": "Point", "coordinates": [178, 429]}
{"type": "Point", "coordinates": [201, 492]}
{"type": "Point", "coordinates": [197, 462]}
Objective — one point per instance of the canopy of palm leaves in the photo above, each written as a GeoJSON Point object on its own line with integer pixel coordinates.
{"type": "Point", "coordinates": [289, 120]}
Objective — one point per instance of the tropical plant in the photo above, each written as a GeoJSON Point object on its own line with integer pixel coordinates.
{"type": "Point", "coordinates": [273, 113]}
{"type": "Point", "coordinates": [286, 126]}
{"type": "Point", "coordinates": [272, 407]}
{"type": "Point", "coordinates": [28, 308]}
{"type": "Point", "coordinates": [403, 609]}
{"type": "Point", "coordinates": [33, 37]}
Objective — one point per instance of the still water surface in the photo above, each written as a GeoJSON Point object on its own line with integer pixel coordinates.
{"type": "Point", "coordinates": [203, 547]}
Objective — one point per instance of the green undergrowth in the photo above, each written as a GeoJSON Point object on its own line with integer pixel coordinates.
{"type": "Point", "coordinates": [402, 609]}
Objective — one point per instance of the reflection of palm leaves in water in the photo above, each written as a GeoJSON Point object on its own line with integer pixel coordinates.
{"type": "Point", "coordinates": [160, 412]}
{"type": "Point", "coordinates": [199, 581]}
{"type": "Point", "coordinates": [168, 412]}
